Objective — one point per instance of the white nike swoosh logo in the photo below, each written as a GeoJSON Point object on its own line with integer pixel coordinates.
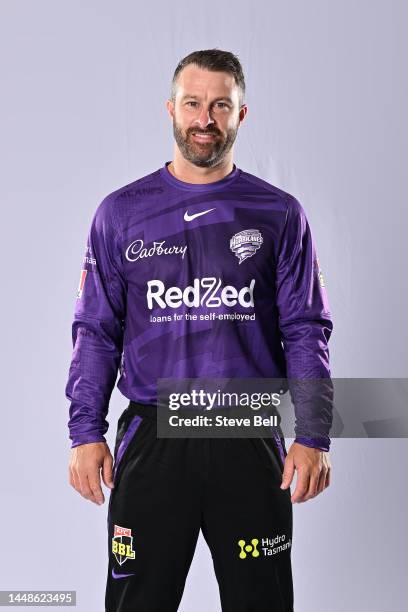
{"type": "Point", "coordinates": [188, 217]}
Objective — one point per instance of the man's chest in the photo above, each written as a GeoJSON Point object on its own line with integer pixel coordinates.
{"type": "Point", "coordinates": [230, 243]}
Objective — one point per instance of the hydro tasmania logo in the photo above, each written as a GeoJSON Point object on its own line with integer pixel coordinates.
{"type": "Point", "coordinates": [268, 546]}
{"type": "Point", "coordinates": [248, 548]}
{"type": "Point", "coordinates": [246, 243]}
{"type": "Point", "coordinates": [122, 544]}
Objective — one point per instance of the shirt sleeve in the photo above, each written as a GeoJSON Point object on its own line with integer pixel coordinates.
{"type": "Point", "coordinates": [306, 325]}
{"type": "Point", "coordinates": [97, 330]}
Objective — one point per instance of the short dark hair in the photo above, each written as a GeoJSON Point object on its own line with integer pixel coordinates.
{"type": "Point", "coordinates": [216, 60]}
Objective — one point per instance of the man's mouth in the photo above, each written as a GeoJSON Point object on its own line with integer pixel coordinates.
{"type": "Point", "coordinates": [206, 137]}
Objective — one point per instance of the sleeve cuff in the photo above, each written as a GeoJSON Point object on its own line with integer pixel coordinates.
{"type": "Point", "coordinates": [87, 439]}
{"type": "Point", "coordinates": [320, 443]}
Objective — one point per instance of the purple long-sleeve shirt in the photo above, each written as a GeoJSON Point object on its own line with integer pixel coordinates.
{"type": "Point", "coordinates": [160, 247]}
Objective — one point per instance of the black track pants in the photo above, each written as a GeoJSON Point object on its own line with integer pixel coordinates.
{"type": "Point", "coordinates": [166, 490]}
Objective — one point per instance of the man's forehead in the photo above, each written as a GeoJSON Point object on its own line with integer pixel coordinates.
{"type": "Point", "coordinates": [195, 81]}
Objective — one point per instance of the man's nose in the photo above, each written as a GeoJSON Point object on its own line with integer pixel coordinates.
{"type": "Point", "coordinates": [204, 117]}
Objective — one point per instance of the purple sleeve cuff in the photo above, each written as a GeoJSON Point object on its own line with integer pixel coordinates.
{"type": "Point", "coordinates": [320, 443]}
{"type": "Point", "coordinates": [86, 439]}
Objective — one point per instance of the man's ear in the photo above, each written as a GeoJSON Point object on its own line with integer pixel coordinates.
{"type": "Point", "coordinates": [242, 113]}
{"type": "Point", "coordinates": [170, 108]}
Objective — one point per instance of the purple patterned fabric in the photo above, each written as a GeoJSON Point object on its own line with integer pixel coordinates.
{"type": "Point", "coordinates": [280, 447]}
{"type": "Point", "coordinates": [124, 443]}
{"type": "Point", "coordinates": [184, 280]}
{"type": "Point", "coordinates": [129, 433]}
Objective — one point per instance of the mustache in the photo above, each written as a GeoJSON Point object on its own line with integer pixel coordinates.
{"type": "Point", "coordinates": [212, 132]}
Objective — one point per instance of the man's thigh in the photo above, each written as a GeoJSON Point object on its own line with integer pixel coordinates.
{"type": "Point", "coordinates": [248, 525]}
{"type": "Point", "coordinates": [153, 520]}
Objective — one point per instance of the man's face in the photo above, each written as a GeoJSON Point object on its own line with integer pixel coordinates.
{"type": "Point", "coordinates": [206, 115]}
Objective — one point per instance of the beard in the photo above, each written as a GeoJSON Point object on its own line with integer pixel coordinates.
{"type": "Point", "coordinates": [204, 154]}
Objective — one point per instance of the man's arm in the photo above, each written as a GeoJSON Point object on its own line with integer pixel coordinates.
{"type": "Point", "coordinates": [97, 330]}
{"type": "Point", "coordinates": [306, 325]}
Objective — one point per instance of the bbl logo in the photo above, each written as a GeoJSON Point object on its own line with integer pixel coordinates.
{"type": "Point", "coordinates": [122, 544]}
{"type": "Point", "coordinates": [248, 548]}
{"type": "Point", "coordinates": [246, 243]}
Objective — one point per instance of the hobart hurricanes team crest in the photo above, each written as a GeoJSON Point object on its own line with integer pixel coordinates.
{"type": "Point", "coordinates": [246, 243]}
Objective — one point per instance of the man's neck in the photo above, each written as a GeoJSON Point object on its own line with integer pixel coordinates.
{"type": "Point", "coordinates": [189, 173]}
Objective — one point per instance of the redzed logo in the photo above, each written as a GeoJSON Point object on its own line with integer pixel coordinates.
{"type": "Point", "coordinates": [203, 292]}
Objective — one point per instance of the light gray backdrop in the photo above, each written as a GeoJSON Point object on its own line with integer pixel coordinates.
{"type": "Point", "coordinates": [83, 112]}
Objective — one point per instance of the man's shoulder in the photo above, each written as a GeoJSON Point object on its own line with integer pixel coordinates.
{"type": "Point", "coordinates": [116, 203]}
{"type": "Point", "coordinates": [287, 200]}
{"type": "Point", "coordinates": [146, 185]}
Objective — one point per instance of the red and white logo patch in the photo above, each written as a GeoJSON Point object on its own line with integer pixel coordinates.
{"type": "Point", "coordinates": [81, 283]}
{"type": "Point", "coordinates": [122, 544]}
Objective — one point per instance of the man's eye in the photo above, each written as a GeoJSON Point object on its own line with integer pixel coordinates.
{"type": "Point", "coordinates": [220, 104]}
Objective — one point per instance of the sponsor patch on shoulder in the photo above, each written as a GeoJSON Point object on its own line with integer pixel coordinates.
{"type": "Point", "coordinates": [81, 283]}
{"type": "Point", "coordinates": [319, 272]}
